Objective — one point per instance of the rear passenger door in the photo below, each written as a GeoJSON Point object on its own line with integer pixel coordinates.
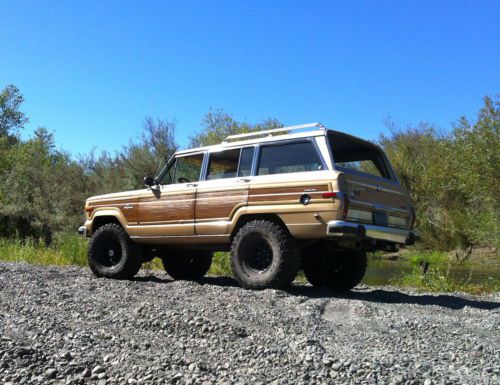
{"type": "Point", "coordinates": [223, 190]}
{"type": "Point", "coordinates": [286, 172]}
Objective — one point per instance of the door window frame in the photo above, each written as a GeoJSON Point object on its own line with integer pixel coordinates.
{"type": "Point", "coordinates": [173, 163]}
{"type": "Point", "coordinates": [257, 147]}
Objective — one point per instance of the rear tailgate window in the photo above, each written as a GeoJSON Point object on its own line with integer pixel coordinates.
{"type": "Point", "coordinates": [373, 192]}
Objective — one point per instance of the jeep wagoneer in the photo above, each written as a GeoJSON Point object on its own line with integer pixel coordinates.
{"type": "Point", "coordinates": [282, 200]}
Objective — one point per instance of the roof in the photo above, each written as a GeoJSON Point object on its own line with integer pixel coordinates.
{"type": "Point", "coordinates": [282, 133]}
{"type": "Point", "coordinates": [277, 134]}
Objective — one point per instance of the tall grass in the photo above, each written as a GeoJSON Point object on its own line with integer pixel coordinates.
{"type": "Point", "coordinates": [69, 249]}
{"type": "Point", "coordinates": [436, 280]}
{"type": "Point", "coordinates": [66, 250]}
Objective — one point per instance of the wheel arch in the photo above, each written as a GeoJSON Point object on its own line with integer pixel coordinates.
{"type": "Point", "coordinates": [104, 217]}
{"type": "Point", "coordinates": [245, 218]}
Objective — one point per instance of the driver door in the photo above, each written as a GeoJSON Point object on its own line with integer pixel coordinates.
{"type": "Point", "coordinates": [168, 208]}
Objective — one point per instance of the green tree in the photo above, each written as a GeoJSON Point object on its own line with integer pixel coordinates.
{"type": "Point", "coordinates": [11, 118]}
{"type": "Point", "coordinates": [146, 156]}
{"type": "Point", "coordinates": [218, 124]}
{"type": "Point", "coordinates": [453, 178]}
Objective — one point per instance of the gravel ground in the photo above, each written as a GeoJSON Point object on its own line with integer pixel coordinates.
{"type": "Point", "coordinates": [63, 326]}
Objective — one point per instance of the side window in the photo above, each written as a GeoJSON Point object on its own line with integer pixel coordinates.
{"type": "Point", "coordinates": [290, 157]}
{"type": "Point", "coordinates": [230, 163]}
{"type": "Point", "coordinates": [223, 164]}
{"type": "Point", "coordinates": [188, 168]}
{"type": "Point", "coordinates": [246, 162]}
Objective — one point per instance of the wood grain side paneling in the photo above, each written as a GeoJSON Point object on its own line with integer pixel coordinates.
{"type": "Point", "coordinates": [286, 194]}
{"type": "Point", "coordinates": [167, 208]}
{"type": "Point", "coordinates": [371, 195]}
{"type": "Point", "coordinates": [130, 213]}
{"type": "Point", "coordinates": [219, 204]}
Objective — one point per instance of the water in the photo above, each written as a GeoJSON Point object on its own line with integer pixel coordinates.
{"type": "Point", "coordinates": [381, 271]}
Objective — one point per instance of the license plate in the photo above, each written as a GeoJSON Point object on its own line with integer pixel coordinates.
{"type": "Point", "coordinates": [380, 218]}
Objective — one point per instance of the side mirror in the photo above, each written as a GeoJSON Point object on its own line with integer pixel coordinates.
{"type": "Point", "coordinates": [149, 181]}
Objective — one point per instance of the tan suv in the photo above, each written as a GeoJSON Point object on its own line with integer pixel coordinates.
{"type": "Point", "coordinates": [301, 197]}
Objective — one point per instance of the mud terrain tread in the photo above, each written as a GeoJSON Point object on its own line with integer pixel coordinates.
{"type": "Point", "coordinates": [339, 270]}
{"type": "Point", "coordinates": [199, 266]}
{"type": "Point", "coordinates": [286, 257]}
{"type": "Point", "coordinates": [131, 261]}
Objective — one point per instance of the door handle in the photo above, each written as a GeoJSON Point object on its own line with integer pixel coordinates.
{"type": "Point", "coordinates": [192, 184]}
{"type": "Point", "coordinates": [244, 180]}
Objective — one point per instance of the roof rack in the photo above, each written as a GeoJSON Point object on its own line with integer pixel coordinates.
{"type": "Point", "coordinates": [273, 131]}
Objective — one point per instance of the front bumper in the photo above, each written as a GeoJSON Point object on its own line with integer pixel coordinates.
{"type": "Point", "coordinates": [362, 231]}
{"type": "Point", "coordinates": [82, 230]}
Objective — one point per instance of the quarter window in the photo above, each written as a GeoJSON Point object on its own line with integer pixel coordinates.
{"type": "Point", "coordinates": [290, 157]}
{"type": "Point", "coordinates": [246, 162]}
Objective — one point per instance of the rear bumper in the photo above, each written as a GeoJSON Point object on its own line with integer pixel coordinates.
{"type": "Point", "coordinates": [361, 231]}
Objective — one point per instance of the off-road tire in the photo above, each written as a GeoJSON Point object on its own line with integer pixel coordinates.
{"type": "Point", "coordinates": [191, 265]}
{"type": "Point", "coordinates": [252, 239]}
{"type": "Point", "coordinates": [339, 270]}
{"type": "Point", "coordinates": [108, 240]}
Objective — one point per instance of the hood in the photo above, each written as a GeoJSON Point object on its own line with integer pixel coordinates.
{"type": "Point", "coordinates": [133, 194]}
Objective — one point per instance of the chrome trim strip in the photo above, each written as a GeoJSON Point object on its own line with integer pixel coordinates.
{"type": "Point", "coordinates": [379, 188]}
{"type": "Point", "coordinates": [371, 231]}
{"type": "Point", "coordinates": [377, 206]}
{"type": "Point", "coordinates": [180, 236]}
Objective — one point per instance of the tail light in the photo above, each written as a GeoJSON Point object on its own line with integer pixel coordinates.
{"type": "Point", "coordinates": [334, 194]}
{"type": "Point", "coordinates": [345, 207]}
{"type": "Point", "coordinates": [329, 194]}
{"type": "Point", "coordinates": [88, 211]}
{"type": "Point", "coordinates": [413, 218]}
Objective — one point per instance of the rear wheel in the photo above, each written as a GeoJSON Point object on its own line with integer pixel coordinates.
{"type": "Point", "coordinates": [340, 270]}
{"type": "Point", "coordinates": [263, 255]}
{"type": "Point", "coordinates": [189, 265]}
{"type": "Point", "coordinates": [112, 254]}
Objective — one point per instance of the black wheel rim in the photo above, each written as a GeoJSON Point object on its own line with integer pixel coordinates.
{"type": "Point", "coordinates": [257, 254]}
{"type": "Point", "coordinates": [110, 253]}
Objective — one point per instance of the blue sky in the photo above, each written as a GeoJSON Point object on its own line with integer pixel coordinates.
{"type": "Point", "coordinates": [91, 71]}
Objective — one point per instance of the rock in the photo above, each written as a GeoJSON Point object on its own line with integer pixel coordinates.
{"type": "Point", "coordinates": [98, 369]}
{"type": "Point", "coordinates": [217, 333]}
{"type": "Point", "coordinates": [86, 373]}
{"type": "Point", "coordinates": [67, 356]}
{"type": "Point", "coordinates": [51, 373]}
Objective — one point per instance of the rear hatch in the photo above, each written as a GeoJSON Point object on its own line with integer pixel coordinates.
{"type": "Point", "coordinates": [373, 192]}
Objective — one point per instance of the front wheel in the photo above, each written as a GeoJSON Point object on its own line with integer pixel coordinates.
{"type": "Point", "coordinates": [340, 270]}
{"type": "Point", "coordinates": [264, 255]}
{"type": "Point", "coordinates": [112, 254]}
{"type": "Point", "coordinates": [189, 265]}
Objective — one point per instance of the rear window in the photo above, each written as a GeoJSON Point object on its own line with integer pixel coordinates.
{"type": "Point", "coordinates": [354, 154]}
{"type": "Point", "coordinates": [289, 157]}
{"type": "Point", "coordinates": [366, 166]}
